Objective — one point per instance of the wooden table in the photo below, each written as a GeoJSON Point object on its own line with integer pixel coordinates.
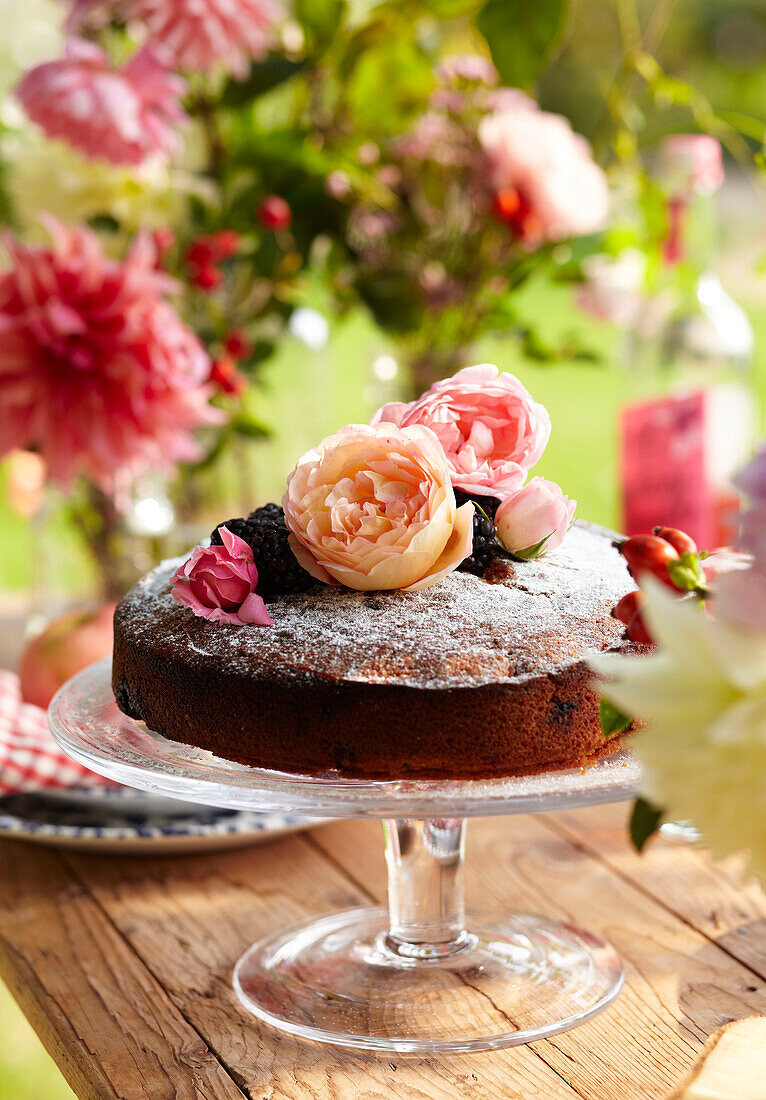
{"type": "Point", "coordinates": [123, 966]}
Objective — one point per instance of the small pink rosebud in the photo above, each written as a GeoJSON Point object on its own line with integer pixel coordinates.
{"type": "Point", "coordinates": [534, 519]}
{"type": "Point", "coordinates": [218, 583]}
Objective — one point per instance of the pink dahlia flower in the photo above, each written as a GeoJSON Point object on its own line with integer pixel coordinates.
{"type": "Point", "coordinates": [218, 583]}
{"type": "Point", "coordinates": [491, 429]}
{"type": "Point", "coordinates": [97, 371]}
{"type": "Point", "coordinates": [199, 34]}
{"type": "Point", "coordinates": [538, 157]}
{"type": "Point", "coordinates": [120, 115]}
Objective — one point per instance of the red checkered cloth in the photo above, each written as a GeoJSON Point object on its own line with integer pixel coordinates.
{"type": "Point", "coordinates": [30, 760]}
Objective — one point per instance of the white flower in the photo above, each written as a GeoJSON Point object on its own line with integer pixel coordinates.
{"type": "Point", "coordinates": [32, 31]}
{"type": "Point", "coordinates": [703, 697]}
{"type": "Point", "coordinates": [49, 175]}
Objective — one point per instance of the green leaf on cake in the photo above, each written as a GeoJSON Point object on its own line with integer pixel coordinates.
{"type": "Point", "coordinates": [612, 720]}
{"type": "Point", "coordinates": [530, 552]}
{"type": "Point", "coordinates": [644, 822]}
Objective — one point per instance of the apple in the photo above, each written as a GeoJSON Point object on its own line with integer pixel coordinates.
{"type": "Point", "coordinates": [68, 643]}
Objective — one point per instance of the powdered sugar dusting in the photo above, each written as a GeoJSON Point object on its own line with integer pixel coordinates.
{"type": "Point", "coordinates": [463, 632]}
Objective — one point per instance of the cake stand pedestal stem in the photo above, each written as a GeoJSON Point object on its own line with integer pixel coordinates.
{"type": "Point", "coordinates": [425, 888]}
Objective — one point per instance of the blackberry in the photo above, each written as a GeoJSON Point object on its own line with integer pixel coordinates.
{"type": "Point", "coordinates": [239, 527]}
{"type": "Point", "coordinates": [265, 532]}
{"type": "Point", "coordinates": [279, 573]}
{"type": "Point", "coordinates": [484, 533]}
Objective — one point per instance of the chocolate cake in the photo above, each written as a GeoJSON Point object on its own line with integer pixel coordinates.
{"type": "Point", "coordinates": [474, 677]}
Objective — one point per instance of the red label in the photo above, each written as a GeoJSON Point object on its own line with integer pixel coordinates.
{"type": "Point", "coordinates": [664, 468]}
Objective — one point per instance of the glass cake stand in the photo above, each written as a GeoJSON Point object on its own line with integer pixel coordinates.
{"type": "Point", "coordinates": [417, 977]}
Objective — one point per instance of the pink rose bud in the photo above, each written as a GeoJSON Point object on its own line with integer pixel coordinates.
{"type": "Point", "coordinates": [218, 583]}
{"type": "Point", "coordinates": [534, 519]}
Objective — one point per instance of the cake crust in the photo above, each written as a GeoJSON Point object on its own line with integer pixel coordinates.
{"type": "Point", "coordinates": [470, 679]}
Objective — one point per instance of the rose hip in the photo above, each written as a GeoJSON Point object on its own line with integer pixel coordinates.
{"type": "Point", "coordinates": [649, 554]}
{"type": "Point", "coordinates": [679, 540]}
{"type": "Point", "coordinates": [637, 631]}
{"type": "Point", "coordinates": [628, 606]}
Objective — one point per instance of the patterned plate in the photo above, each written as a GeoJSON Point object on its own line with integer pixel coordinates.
{"type": "Point", "coordinates": [128, 822]}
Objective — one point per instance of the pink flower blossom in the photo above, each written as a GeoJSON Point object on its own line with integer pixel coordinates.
{"type": "Point", "coordinates": [535, 519]}
{"type": "Point", "coordinates": [200, 34]}
{"type": "Point", "coordinates": [97, 371]}
{"type": "Point", "coordinates": [218, 583]}
{"type": "Point", "coordinates": [120, 115]}
{"type": "Point", "coordinates": [491, 429]}
{"type": "Point", "coordinates": [467, 66]}
{"type": "Point", "coordinates": [538, 156]}
{"type": "Point", "coordinates": [373, 508]}
{"type": "Point", "coordinates": [438, 138]}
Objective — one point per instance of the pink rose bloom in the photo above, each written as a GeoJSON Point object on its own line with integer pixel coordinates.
{"type": "Point", "coordinates": [491, 429]}
{"type": "Point", "coordinates": [535, 519]}
{"type": "Point", "coordinates": [373, 508]}
{"type": "Point", "coordinates": [200, 34]}
{"type": "Point", "coordinates": [120, 115]}
{"type": "Point", "coordinates": [98, 373]}
{"type": "Point", "coordinates": [218, 583]}
{"type": "Point", "coordinates": [549, 167]}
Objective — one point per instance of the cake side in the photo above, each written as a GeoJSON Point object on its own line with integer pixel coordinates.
{"type": "Point", "coordinates": [471, 678]}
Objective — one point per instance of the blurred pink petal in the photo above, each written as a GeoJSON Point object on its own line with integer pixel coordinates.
{"type": "Point", "coordinates": [199, 34]}
{"type": "Point", "coordinates": [120, 115]}
{"type": "Point", "coordinates": [539, 157]}
{"type": "Point", "coordinates": [97, 371]}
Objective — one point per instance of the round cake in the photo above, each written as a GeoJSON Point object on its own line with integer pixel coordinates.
{"type": "Point", "coordinates": [473, 677]}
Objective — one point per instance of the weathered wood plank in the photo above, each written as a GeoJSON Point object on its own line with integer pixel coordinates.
{"type": "Point", "coordinates": [711, 896]}
{"type": "Point", "coordinates": [108, 1024]}
{"type": "Point", "coordinates": [190, 919]}
{"type": "Point", "coordinates": [680, 987]}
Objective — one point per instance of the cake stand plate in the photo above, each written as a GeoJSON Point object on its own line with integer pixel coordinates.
{"type": "Point", "coordinates": [420, 976]}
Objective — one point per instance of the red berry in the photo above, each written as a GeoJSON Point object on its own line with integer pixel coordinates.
{"type": "Point", "coordinates": [679, 540]}
{"type": "Point", "coordinates": [224, 373]}
{"type": "Point", "coordinates": [628, 606]}
{"type": "Point", "coordinates": [200, 252]}
{"type": "Point", "coordinates": [649, 554]}
{"type": "Point", "coordinates": [225, 243]}
{"type": "Point", "coordinates": [275, 214]}
{"type": "Point", "coordinates": [207, 277]}
{"type": "Point", "coordinates": [237, 344]}
{"type": "Point", "coordinates": [637, 631]}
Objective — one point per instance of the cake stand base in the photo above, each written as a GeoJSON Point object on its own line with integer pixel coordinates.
{"type": "Point", "coordinates": [420, 977]}
{"type": "Point", "coordinates": [342, 981]}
